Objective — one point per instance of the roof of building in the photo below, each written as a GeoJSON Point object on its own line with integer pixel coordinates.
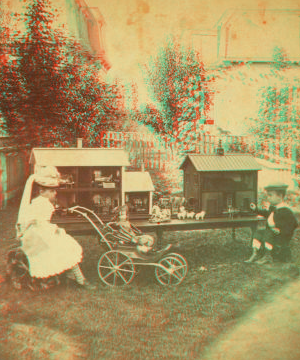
{"type": "Point", "coordinates": [79, 157]}
{"type": "Point", "coordinates": [229, 162]}
{"type": "Point", "coordinates": [136, 181]}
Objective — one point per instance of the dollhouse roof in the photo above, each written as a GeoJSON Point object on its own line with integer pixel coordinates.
{"type": "Point", "coordinates": [137, 181]}
{"type": "Point", "coordinates": [78, 157]}
{"type": "Point", "coordinates": [229, 162]}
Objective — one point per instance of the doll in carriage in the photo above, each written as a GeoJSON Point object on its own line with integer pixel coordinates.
{"type": "Point", "coordinates": [129, 233]}
{"type": "Point", "coordinates": [46, 250]}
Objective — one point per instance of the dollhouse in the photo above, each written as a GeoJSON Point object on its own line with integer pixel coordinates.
{"type": "Point", "coordinates": [138, 189]}
{"type": "Point", "coordinates": [220, 184]}
{"type": "Point", "coordinates": [96, 178]}
{"type": "Point", "coordinates": [91, 177]}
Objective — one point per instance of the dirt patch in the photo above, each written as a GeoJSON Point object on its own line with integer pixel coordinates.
{"type": "Point", "coordinates": [270, 331]}
{"type": "Point", "coordinates": [30, 342]}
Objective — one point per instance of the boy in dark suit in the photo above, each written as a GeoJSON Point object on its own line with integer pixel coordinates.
{"type": "Point", "coordinates": [273, 242]}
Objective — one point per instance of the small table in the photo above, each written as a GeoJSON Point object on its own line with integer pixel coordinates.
{"type": "Point", "coordinates": [209, 223]}
{"type": "Point", "coordinates": [80, 226]}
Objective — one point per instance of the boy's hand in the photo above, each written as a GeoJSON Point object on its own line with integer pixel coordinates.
{"type": "Point", "coordinates": [276, 231]}
{"type": "Point", "coordinates": [252, 206]}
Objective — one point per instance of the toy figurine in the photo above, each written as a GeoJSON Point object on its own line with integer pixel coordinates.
{"type": "Point", "coordinates": [200, 215]}
{"type": "Point", "coordinates": [155, 213]}
{"type": "Point", "coordinates": [182, 213]}
{"type": "Point", "coordinates": [190, 215]}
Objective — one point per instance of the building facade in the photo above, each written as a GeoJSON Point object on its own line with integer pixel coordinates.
{"type": "Point", "coordinates": [87, 25]}
{"type": "Point", "coordinates": [246, 52]}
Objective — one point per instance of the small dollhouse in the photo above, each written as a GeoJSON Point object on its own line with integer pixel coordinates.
{"type": "Point", "coordinates": [220, 184]}
{"type": "Point", "coordinates": [138, 189]}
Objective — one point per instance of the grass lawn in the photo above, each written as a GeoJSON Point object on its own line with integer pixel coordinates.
{"type": "Point", "coordinates": [143, 320]}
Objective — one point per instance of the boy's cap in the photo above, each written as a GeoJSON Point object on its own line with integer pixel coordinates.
{"type": "Point", "coordinates": [276, 186]}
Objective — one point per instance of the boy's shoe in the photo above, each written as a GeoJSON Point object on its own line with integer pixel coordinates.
{"type": "Point", "coordinates": [254, 257]}
{"type": "Point", "coordinates": [88, 286]}
{"type": "Point", "coordinates": [266, 259]}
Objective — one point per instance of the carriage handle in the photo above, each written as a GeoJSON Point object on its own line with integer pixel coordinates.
{"type": "Point", "coordinates": [82, 211]}
{"type": "Point", "coordinates": [85, 213]}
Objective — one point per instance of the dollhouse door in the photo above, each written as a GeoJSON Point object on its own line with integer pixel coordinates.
{"type": "Point", "coordinates": [212, 207]}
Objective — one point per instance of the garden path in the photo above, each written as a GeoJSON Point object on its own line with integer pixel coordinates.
{"type": "Point", "coordinates": [269, 332]}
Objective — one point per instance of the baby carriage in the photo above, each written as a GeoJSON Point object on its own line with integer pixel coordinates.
{"type": "Point", "coordinates": [117, 265]}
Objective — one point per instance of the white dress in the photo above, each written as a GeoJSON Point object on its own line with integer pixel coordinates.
{"type": "Point", "coordinates": [49, 249]}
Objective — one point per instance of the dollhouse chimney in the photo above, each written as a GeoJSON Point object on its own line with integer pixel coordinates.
{"type": "Point", "coordinates": [79, 143]}
{"type": "Point", "coordinates": [220, 150]}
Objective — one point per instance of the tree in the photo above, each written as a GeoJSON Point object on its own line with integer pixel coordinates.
{"type": "Point", "coordinates": [278, 114]}
{"type": "Point", "coordinates": [151, 117]}
{"type": "Point", "coordinates": [11, 90]}
{"type": "Point", "coordinates": [177, 82]}
{"type": "Point", "coordinates": [280, 61]}
{"type": "Point", "coordinates": [41, 64]}
{"type": "Point", "coordinates": [52, 93]}
{"type": "Point", "coordinates": [92, 105]}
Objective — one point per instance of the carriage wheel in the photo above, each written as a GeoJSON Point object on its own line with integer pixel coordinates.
{"type": "Point", "coordinates": [182, 259]}
{"type": "Point", "coordinates": [171, 270]}
{"type": "Point", "coordinates": [115, 268]}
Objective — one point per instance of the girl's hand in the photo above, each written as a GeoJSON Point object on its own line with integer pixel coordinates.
{"type": "Point", "coordinates": [32, 222]}
{"type": "Point", "coordinates": [59, 231]}
{"type": "Point", "coordinates": [276, 231]}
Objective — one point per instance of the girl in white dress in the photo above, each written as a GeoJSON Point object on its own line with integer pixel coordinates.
{"type": "Point", "coordinates": [49, 249]}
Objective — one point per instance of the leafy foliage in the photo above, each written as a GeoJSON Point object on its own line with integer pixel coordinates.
{"type": "Point", "coordinates": [278, 114]}
{"type": "Point", "coordinates": [151, 117]}
{"type": "Point", "coordinates": [177, 81]}
{"type": "Point", "coordinates": [280, 61]}
{"type": "Point", "coordinates": [52, 93]}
